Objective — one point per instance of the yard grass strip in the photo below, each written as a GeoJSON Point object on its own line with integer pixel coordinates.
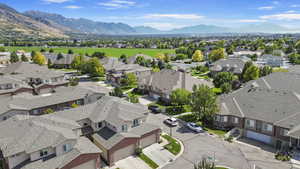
{"type": "Point", "coordinates": [174, 146]}
{"type": "Point", "coordinates": [147, 160]}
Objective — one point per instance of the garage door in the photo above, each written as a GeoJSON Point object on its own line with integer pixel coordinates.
{"type": "Point", "coordinates": [259, 137]}
{"type": "Point", "coordinates": [147, 141]}
{"type": "Point", "coordinates": [124, 152]}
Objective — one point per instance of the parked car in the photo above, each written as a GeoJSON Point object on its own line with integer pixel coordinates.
{"type": "Point", "coordinates": [194, 127]}
{"type": "Point", "coordinates": [171, 122]}
{"type": "Point", "coordinates": [154, 108]}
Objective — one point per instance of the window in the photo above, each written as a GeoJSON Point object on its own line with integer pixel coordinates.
{"type": "Point", "coordinates": [224, 118]}
{"type": "Point", "coordinates": [135, 122]}
{"type": "Point", "coordinates": [217, 118]}
{"type": "Point", "coordinates": [250, 123]}
{"type": "Point", "coordinates": [43, 153]}
{"type": "Point", "coordinates": [284, 132]}
{"type": "Point", "coordinates": [267, 127]}
{"type": "Point", "coordinates": [99, 124]}
{"type": "Point", "coordinates": [124, 128]}
{"type": "Point", "coordinates": [67, 147]}
{"type": "Point", "coordinates": [235, 120]}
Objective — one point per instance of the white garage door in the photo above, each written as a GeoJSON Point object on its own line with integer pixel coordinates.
{"type": "Point", "coordinates": [124, 152]}
{"type": "Point", "coordinates": [147, 141]}
{"type": "Point", "coordinates": [259, 137]}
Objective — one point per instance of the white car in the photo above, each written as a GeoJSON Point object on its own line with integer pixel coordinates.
{"type": "Point", "coordinates": [195, 127]}
{"type": "Point", "coordinates": [171, 121]}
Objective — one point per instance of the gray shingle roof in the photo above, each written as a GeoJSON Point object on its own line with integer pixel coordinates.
{"type": "Point", "coordinates": [168, 80]}
{"type": "Point", "coordinates": [234, 65]}
{"type": "Point", "coordinates": [132, 59]}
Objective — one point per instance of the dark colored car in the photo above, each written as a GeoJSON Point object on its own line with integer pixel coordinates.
{"type": "Point", "coordinates": [154, 108]}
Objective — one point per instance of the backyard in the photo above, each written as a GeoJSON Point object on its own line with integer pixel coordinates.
{"type": "Point", "coordinates": [112, 52]}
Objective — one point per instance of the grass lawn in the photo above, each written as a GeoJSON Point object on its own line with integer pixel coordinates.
{"type": "Point", "coordinates": [217, 91]}
{"type": "Point", "coordinates": [220, 133]}
{"type": "Point", "coordinates": [112, 52]}
{"type": "Point", "coordinates": [174, 146]}
{"type": "Point", "coordinates": [278, 69]}
{"type": "Point", "coordinates": [220, 168]}
{"type": "Point", "coordinates": [147, 160]}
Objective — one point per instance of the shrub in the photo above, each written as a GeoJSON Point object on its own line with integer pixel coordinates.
{"type": "Point", "coordinates": [188, 118]}
{"type": "Point", "coordinates": [282, 156]}
{"type": "Point", "coordinates": [138, 151]}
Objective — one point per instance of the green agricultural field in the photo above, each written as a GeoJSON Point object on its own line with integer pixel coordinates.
{"type": "Point", "coordinates": [112, 52]}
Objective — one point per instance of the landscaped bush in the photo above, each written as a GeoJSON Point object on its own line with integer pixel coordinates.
{"type": "Point", "coordinates": [138, 151]}
{"type": "Point", "coordinates": [188, 118]}
{"type": "Point", "coordinates": [282, 156]}
{"type": "Point", "coordinates": [175, 110]}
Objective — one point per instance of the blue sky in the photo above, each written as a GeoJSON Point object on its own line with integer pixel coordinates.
{"type": "Point", "coordinates": [168, 14]}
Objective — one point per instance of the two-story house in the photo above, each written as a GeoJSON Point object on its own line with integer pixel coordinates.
{"type": "Point", "coordinates": [116, 126]}
{"type": "Point", "coordinates": [59, 99]}
{"type": "Point", "coordinates": [266, 110]}
{"type": "Point", "coordinates": [115, 75]}
{"type": "Point", "coordinates": [159, 85]}
{"type": "Point", "coordinates": [45, 142]}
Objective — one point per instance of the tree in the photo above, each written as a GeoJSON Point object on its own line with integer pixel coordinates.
{"type": "Point", "coordinates": [180, 97]}
{"type": "Point", "coordinates": [117, 92]}
{"type": "Point", "coordinates": [59, 56]}
{"type": "Point", "coordinates": [93, 67]}
{"type": "Point", "coordinates": [14, 57]}
{"type": "Point", "coordinates": [51, 51]}
{"type": "Point", "coordinates": [99, 55]}
{"type": "Point", "coordinates": [160, 56]}
{"type": "Point", "coordinates": [223, 77]}
{"type": "Point", "coordinates": [133, 98]}
{"type": "Point", "coordinates": [217, 54]}
{"type": "Point", "coordinates": [251, 73]}
{"type": "Point", "coordinates": [129, 79]}
{"type": "Point", "coordinates": [49, 111]}
{"type": "Point", "coordinates": [197, 56]}
{"type": "Point", "coordinates": [181, 56]}
{"type": "Point", "coordinates": [204, 103]}
{"type": "Point", "coordinates": [123, 57]}
{"type": "Point", "coordinates": [246, 66]}
{"type": "Point", "coordinates": [2, 49]}
{"type": "Point", "coordinates": [77, 62]}
{"type": "Point", "coordinates": [33, 53]}
{"type": "Point", "coordinates": [264, 71]}
{"type": "Point", "coordinates": [294, 58]}
{"type": "Point", "coordinates": [70, 51]}
{"type": "Point", "coordinates": [205, 164]}
{"type": "Point", "coordinates": [42, 50]}
{"type": "Point", "coordinates": [39, 59]}
{"type": "Point", "coordinates": [49, 63]}
{"type": "Point", "coordinates": [24, 58]}
{"type": "Point", "coordinates": [226, 87]}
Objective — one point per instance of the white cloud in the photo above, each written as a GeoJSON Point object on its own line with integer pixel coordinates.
{"type": "Point", "coordinates": [73, 7]}
{"type": "Point", "coordinates": [56, 1]}
{"type": "Point", "coordinates": [283, 16]}
{"type": "Point", "coordinates": [173, 16]}
{"type": "Point", "coordinates": [116, 4]}
{"type": "Point", "coordinates": [275, 2]}
{"type": "Point", "coordinates": [295, 6]}
{"type": "Point", "coordinates": [291, 11]}
{"type": "Point", "coordinates": [266, 8]}
{"type": "Point", "coordinates": [164, 26]}
{"type": "Point", "coordinates": [251, 20]}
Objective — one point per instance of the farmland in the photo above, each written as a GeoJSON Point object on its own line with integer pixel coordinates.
{"type": "Point", "coordinates": [112, 52]}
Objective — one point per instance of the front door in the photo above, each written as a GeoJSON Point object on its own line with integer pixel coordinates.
{"type": "Point", "coordinates": [278, 144]}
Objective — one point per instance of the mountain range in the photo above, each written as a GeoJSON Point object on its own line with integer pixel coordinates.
{"type": "Point", "coordinates": [37, 24]}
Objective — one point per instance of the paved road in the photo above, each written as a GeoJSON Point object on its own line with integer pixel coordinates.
{"type": "Point", "coordinates": [234, 155]}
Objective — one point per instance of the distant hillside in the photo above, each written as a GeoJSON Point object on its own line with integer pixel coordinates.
{"type": "Point", "coordinates": [146, 30]}
{"type": "Point", "coordinates": [15, 25]}
{"type": "Point", "coordinates": [80, 25]}
{"type": "Point", "coordinates": [199, 29]}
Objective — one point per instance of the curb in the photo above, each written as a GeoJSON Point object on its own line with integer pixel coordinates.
{"type": "Point", "coordinates": [177, 156]}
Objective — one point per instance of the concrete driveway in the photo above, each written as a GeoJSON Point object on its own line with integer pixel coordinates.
{"type": "Point", "coordinates": [158, 154]}
{"type": "Point", "coordinates": [131, 163]}
{"type": "Point", "coordinates": [146, 100]}
{"type": "Point", "coordinates": [234, 155]}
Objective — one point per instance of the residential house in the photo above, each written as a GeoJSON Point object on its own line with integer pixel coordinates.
{"type": "Point", "coordinates": [132, 59]}
{"type": "Point", "coordinates": [273, 61]}
{"type": "Point", "coordinates": [244, 52]}
{"type": "Point", "coordinates": [36, 76]}
{"type": "Point", "coordinates": [233, 65]}
{"type": "Point", "coordinates": [109, 63]}
{"type": "Point", "coordinates": [159, 85]}
{"type": "Point", "coordinates": [57, 100]}
{"type": "Point", "coordinates": [116, 126]}
{"type": "Point", "coordinates": [183, 66]}
{"type": "Point", "coordinates": [65, 62]}
{"type": "Point", "coordinates": [266, 110]}
{"type": "Point", "coordinates": [45, 142]}
{"type": "Point", "coordinates": [115, 75]}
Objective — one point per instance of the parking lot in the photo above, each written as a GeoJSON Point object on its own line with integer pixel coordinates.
{"type": "Point", "coordinates": [234, 155]}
